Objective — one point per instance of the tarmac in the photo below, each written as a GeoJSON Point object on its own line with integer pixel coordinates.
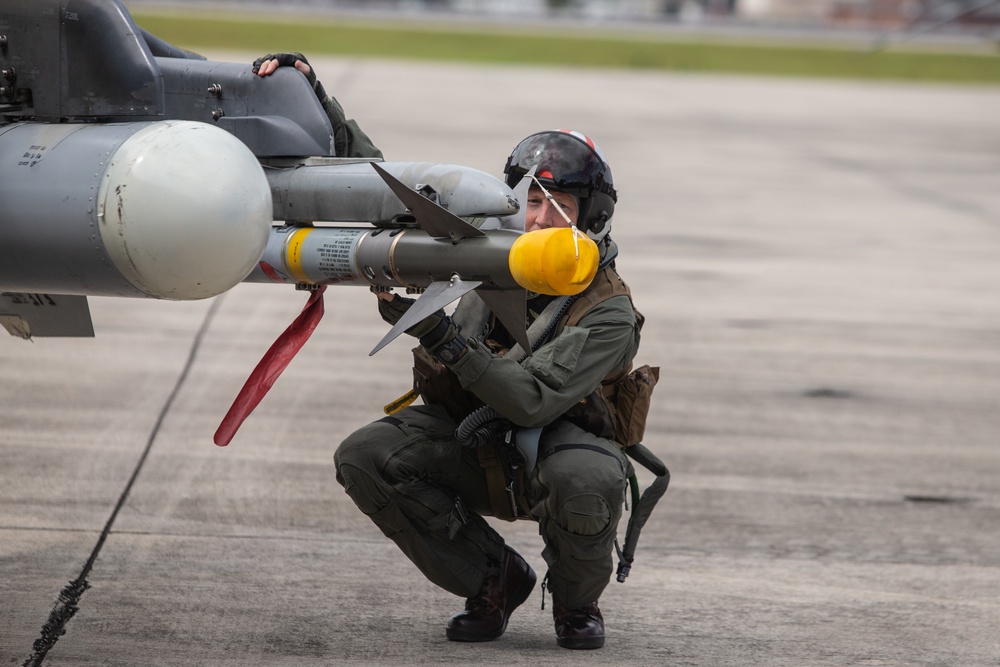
{"type": "Point", "coordinates": [819, 267]}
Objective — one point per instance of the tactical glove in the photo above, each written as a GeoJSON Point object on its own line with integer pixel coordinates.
{"type": "Point", "coordinates": [434, 331]}
{"type": "Point", "coordinates": [392, 310]}
{"type": "Point", "coordinates": [288, 60]}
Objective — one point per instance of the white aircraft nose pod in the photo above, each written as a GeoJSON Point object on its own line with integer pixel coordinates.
{"type": "Point", "coordinates": [184, 210]}
{"type": "Point", "coordinates": [168, 209]}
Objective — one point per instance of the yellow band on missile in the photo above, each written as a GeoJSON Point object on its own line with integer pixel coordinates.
{"type": "Point", "coordinates": [545, 261]}
{"type": "Point", "coordinates": [293, 254]}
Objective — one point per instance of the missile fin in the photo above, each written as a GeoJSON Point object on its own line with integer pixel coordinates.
{"type": "Point", "coordinates": [517, 220]}
{"type": "Point", "coordinates": [510, 307]}
{"type": "Point", "coordinates": [432, 217]}
{"type": "Point", "coordinates": [437, 295]}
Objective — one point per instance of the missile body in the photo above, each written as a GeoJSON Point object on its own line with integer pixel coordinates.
{"type": "Point", "coordinates": [500, 259]}
{"type": "Point", "coordinates": [382, 257]}
{"type": "Point", "coordinates": [168, 209]}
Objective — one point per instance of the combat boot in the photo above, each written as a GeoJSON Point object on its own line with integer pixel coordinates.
{"type": "Point", "coordinates": [486, 614]}
{"type": "Point", "coordinates": [578, 628]}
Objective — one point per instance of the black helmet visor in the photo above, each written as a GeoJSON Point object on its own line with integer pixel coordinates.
{"type": "Point", "coordinates": [563, 160]}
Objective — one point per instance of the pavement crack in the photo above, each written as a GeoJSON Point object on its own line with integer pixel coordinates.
{"type": "Point", "coordinates": [68, 602]}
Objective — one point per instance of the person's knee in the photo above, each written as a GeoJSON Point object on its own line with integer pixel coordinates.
{"type": "Point", "coordinates": [585, 514]}
{"type": "Point", "coordinates": [367, 448]}
{"type": "Point", "coordinates": [368, 493]}
{"type": "Point", "coordinates": [583, 494]}
{"type": "Point", "coordinates": [353, 451]}
{"type": "Point", "coordinates": [359, 462]}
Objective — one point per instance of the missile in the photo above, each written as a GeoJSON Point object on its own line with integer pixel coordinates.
{"type": "Point", "coordinates": [166, 209]}
{"type": "Point", "coordinates": [350, 190]}
{"type": "Point", "coordinates": [501, 259]}
{"type": "Point", "coordinates": [443, 256]}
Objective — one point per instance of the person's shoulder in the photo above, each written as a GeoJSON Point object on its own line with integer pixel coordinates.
{"type": "Point", "coordinates": [607, 283]}
{"type": "Point", "coordinates": [606, 298]}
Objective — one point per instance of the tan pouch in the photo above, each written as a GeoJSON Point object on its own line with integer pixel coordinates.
{"type": "Point", "coordinates": [632, 404]}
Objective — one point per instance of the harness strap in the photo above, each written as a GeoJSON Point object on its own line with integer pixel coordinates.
{"type": "Point", "coordinates": [496, 483]}
{"type": "Point", "coordinates": [643, 507]}
{"type": "Point", "coordinates": [581, 445]}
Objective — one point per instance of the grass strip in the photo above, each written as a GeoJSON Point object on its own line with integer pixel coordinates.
{"type": "Point", "coordinates": [563, 47]}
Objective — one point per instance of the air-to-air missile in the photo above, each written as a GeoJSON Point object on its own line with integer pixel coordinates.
{"type": "Point", "coordinates": [132, 168]}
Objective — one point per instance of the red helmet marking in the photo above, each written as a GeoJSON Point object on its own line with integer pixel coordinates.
{"type": "Point", "coordinates": [582, 137]}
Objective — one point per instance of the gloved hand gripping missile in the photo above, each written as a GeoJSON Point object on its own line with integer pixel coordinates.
{"type": "Point", "coordinates": [434, 331]}
{"type": "Point", "coordinates": [437, 332]}
{"type": "Point", "coordinates": [392, 310]}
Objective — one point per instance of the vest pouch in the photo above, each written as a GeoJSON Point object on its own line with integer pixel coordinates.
{"type": "Point", "coordinates": [594, 414]}
{"type": "Point", "coordinates": [438, 386]}
{"type": "Point", "coordinates": [632, 402]}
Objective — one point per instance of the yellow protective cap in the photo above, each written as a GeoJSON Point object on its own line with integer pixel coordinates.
{"type": "Point", "coordinates": [545, 261]}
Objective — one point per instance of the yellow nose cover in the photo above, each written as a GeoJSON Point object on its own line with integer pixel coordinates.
{"type": "Point", "coordinates": [545, 261]}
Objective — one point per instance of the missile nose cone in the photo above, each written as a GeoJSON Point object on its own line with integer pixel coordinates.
{"type": "Point", "coordinates": [545, 261]}
{"type": "Point", "coordinates": [185, 210]}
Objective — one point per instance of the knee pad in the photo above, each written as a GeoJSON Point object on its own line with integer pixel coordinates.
{"type": "Point", "coordinates": [584, 514]}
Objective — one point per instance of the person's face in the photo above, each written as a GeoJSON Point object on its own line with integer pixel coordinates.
{"type": "Point", "coordinates": [542, 214]}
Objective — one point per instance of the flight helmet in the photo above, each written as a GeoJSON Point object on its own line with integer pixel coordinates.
{"type": "Point", "coordinates": [570, 162]}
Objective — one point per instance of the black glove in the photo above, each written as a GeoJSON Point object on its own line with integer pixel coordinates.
{"type": "Point", "coordinates": [434, 331]}
{"type": "Point", "coordinates": [287, 60]}
{"type": "Point", "coordinates": [392, 310]}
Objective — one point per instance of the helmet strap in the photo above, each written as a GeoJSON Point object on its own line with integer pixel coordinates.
{"type": "Point", "coordinates": [557, 207]}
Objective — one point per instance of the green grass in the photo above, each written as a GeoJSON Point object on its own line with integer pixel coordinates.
{"type": "Point", "coordinates": [467, 44]}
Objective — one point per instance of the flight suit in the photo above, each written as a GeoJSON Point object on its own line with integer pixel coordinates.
{"type": "Point", "coordinates": [428, 493]}
{"type": "Point", "coordinates": [348, 137]}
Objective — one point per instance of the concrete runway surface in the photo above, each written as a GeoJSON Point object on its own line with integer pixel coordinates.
{"type": "Point", "coordinates": [819, 266]}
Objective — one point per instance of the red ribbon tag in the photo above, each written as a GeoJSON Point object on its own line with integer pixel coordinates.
{"type": "Point", "coordinates": [271, 366]}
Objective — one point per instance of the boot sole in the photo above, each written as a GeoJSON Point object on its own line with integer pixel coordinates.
{"type": "Point", "coordinates": [580, 642]}
{"type": "Point", "coordinates": [517, 599]}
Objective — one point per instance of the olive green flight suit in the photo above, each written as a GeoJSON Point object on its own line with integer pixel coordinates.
{"type": "Point", "coordinates": [348, 137]}
{"type": "Point", "coordinates": [428, 493]}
